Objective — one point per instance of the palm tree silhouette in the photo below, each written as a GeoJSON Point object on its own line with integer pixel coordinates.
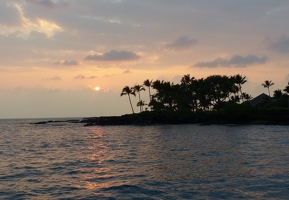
{"type": "Point", "coordinates": [268, 84]}
{"type": "Point", "coordinates": [286, 88]}
{"type": "Point", "coordinates": [287, 91]}
{"type": "Point", "coordinates": [128, 91]}
{"type": "Point", "coordinates": [148, 83]}
{"type": "Point", "coordinates": [240, 80]}
{"type": "Point", "coordinates": [277, 94]}
{"type": "Point", "coordinates": [141, 103]}
{"type": "Point", "coordinates": [138, 89]}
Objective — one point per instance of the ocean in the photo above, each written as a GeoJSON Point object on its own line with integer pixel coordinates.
{"type": "Point", "coordinates": [71, 161]}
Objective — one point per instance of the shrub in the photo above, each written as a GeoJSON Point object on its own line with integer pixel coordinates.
{"type": "Point", "coordinates": [239, 113]}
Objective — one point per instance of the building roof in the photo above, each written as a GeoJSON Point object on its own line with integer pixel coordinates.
{"type": "Point", "coordinates": [260, 99]}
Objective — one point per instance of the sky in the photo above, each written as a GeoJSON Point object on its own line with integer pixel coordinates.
{"type": "Point", "coordinates": [54, 53]}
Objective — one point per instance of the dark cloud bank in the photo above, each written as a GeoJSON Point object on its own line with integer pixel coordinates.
{"type": "Point", "coordinates": [114, 55]}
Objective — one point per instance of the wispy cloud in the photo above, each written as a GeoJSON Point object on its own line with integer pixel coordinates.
{"type": "Point", "coordinates": [80, 77]}
{"type": "Point", "coordinates": [109, 75]}
{"type": "Point", "coordinates": [114, 55]}
{"type": "Point", "coordinates": [55, 78]}
{"type": "Point", "coordinates": [67, 62]}
{"type": "Point", "coordinates": [235, 61]}
{"type": "Point", "coordinates": [49, 3]}
{"type": "Point", "coordinates": [181, 44]}
{"type": "Point", "coordinates": [92, 77]}
{"type": "Point", "coordinates": [127, 71]}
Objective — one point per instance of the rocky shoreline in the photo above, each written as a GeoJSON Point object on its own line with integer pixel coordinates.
{"type": "Point", "coordinates": [152, 118]}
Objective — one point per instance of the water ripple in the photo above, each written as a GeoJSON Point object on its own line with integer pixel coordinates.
{"type": "Point", "coordinates": [139, 162]}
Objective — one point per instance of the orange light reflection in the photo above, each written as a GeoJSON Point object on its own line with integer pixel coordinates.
{"type": "Point", "coordinates": [99, 153]}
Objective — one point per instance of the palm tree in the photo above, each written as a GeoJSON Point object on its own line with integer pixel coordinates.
{"type": "Point", "coordinates": [268, 84]}
{"type": "Point", "coordinates": [141, 103]}
{"type": "Point", "coordinates": [138, 89]}
{"type": "Point", "coordinates": [128, 91]}
{"type": "Point", "coordinates": [278, 94]}
{"type": "Point", "coordinates": [239, 80]}
{"type": "Point", "coordinates": [148, 83]}
{"type": "Point", "coordinates": [187, 92]}
{"type": "Point", "coordinates": [246, 96]}
{"type": "Point", "coordinates": [287, 89]}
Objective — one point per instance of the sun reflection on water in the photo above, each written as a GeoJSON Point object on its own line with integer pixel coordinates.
{"type": "Point", "coordinates": [98, 170]}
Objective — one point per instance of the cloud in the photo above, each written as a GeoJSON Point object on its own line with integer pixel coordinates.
{"type": "Point", "coordinates": [278, 44]}
{"type": "Point", "coordinates": [181, 44]}
{"type": "Point", "coordinates": [278, 10]}
{"type": "Point", "coordinates": [9, 16]}
{"type": "Point", "coordinates": [235, 61]}
{"type": "Point", "coordinates": [55, 78]}
{"type": "Point", "coordinates": [109, 75]}
{"type": "Point", "coordinates": [49, 3]}
{"type": "Point", "coordinates": [114, 55]}
{"type": "Point", "coordinates": [27, 26]}
{"type": "Point", "coordinates": [92, 77]}
{"type": "Point", "coordinates": [127, 71]}
{"type": "Point", "coordinates": [81, 77]}
{"type": "Point", "coordinates": [67, 62]}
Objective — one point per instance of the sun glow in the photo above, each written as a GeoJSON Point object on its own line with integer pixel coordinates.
{"type": "Point", "coordinates": [97, 88]}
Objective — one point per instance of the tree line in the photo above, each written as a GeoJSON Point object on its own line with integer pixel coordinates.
{"type": "Point", "coordinates": [191, 93]}
{"type": "Point", "coordinates": [211, 93]}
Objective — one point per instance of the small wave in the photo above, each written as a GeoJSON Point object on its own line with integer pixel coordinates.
{"type": "Point", "coordinates": [132, 189]}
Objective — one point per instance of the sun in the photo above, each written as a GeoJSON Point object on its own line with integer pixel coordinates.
{"type": "Point", "coordinates": [97, 88]}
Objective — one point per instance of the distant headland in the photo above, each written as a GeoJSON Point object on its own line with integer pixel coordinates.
{"type": "Point", "coordinates": [213, 100]}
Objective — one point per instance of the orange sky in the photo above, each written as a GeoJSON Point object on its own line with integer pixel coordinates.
{"type": "Point", "coordinates": [54, 52]}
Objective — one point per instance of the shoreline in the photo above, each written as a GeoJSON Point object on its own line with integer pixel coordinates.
{"type": "Point", "coordinates": [157, 118]}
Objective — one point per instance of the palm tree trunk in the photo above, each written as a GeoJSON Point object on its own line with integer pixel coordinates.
{"type": "Point", "coordinates": [150, 96]}
{"type": "Point", "coordinates": [130, 103]}
{"type": "Point", "coordinates": [240, 88]}
{"type": "Point", "coordinates": [140, 107]}
{"type": "Point", "coordinates": [288, 104]}
{"type": "Point", "coordinates": [150, 93]}
{"type": "Point", "coordinates": [269, 92]}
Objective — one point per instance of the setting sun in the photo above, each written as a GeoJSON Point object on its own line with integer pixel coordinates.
{"type": "Point", "coordinates": [97, 88]}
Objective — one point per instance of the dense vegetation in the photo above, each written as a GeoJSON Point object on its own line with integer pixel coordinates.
{"type": "Point", "coordinates": [215, 98]}
{"type": "Point", "coordinates": [191, 94]}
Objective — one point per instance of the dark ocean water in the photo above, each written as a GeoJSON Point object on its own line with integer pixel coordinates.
{"type": "Point", "coordinates": [69, 161]}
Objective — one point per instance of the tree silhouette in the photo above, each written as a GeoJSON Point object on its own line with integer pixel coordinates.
{"type": "Point", "coordinates": [141, 103]}
{"type": "Point", "coordinates": [277, 94]}
{"type": "Point", "coordinates": [148, 83]}
{"type": "Point", "coordinates": [213, 92]}
{"type": "Point", "coordinates": [268, 84]}
{"type": "Point", "coordinates": [187, 93]}
{"type": "Point", "coordinates": [287, 89]}
{"type": "Point", "coordinates": [128, 91]}
{"type": "Point", "coordinates": [164, 95]}
{"type": "Point", "coordinates": [203, 98]}
{"type": "Point", "coordinates": [219, 89]}
{"type": "Point", "coordinates": [240, 80]}
{"type": "Point", "coordinates": [246, 96]}
{"type": "Point", "coordinates": [138, 89]}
